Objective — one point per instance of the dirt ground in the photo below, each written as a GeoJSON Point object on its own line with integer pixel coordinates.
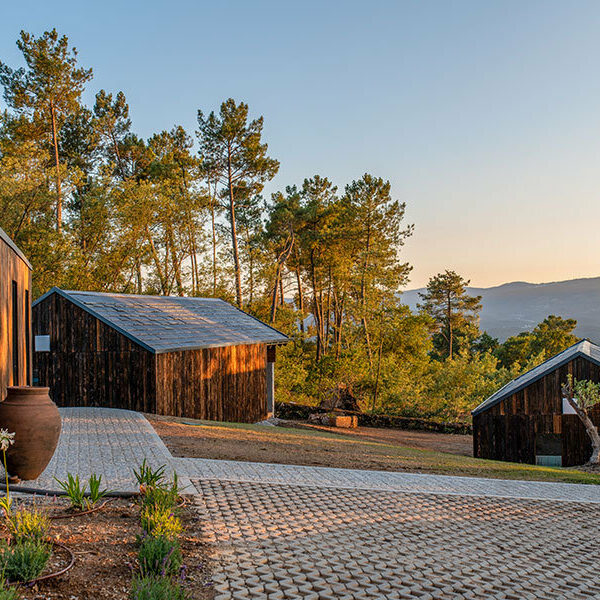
{"type": "Point", "coordinates": [105, 555]}
{"type": "Point", "coordinates": [302, 444]}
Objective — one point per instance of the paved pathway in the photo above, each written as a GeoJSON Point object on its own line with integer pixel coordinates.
{"type": "Point", "coordinates": [108, 442]}
{"type": "Point", "coordinates": [224, 470]}
{"type": "Point", "coordinates": [277, 541]}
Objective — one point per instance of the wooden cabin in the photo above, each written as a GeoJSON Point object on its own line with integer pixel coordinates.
{"type": "Point", "coordinates": [15, 316]}
{"type": "Point", "coordinates": [199, 358]}
{"type": "Point", "coordinates": [529, 421]}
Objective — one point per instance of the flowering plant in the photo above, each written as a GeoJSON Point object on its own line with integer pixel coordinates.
{"type": "Point", "coordinates": [6, 440]}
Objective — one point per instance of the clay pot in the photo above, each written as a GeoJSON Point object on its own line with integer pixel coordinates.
{"type": "Point", "coordinates": [34, 418]}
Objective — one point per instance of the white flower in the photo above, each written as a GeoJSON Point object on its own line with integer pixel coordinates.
{"type": "Point", "coordinates": [6, 439]}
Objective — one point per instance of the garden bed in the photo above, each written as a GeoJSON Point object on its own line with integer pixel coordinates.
{"type": "Point", "coordinates": [104, 545]}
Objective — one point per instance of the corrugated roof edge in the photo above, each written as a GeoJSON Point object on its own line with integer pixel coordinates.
{"type": "Point", "coordinates": [66, 294]}
{"type": "Point", "coordinates": [568, 357]}
{"type": "Point", "coordinates": [14, 248]}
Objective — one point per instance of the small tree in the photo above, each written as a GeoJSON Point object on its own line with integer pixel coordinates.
{"type": "Point", "coordinates": [582, 396]}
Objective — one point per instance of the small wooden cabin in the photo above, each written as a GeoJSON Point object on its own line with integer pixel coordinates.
{"type": "Point", "coordinates": [529, 421]}
{"type": "Point", "coordinates": [200, 358]}
{"type": "Point", "coordinates": [15, 316]}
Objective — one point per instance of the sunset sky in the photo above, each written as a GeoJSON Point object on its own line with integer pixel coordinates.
{"type": "Point", "coordinates": [485, 116]}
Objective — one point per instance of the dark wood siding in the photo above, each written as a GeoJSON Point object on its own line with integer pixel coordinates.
{"type": "Point", "coordinates": [508, 430]}
{"type": "Point", "coordinates": [14, 345]}
{"type": "Point", "coordinates": [90, 363]}
{"type": "Point", "coordinates": [223, 384]}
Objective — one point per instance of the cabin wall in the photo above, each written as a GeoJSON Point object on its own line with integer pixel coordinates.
{"type": "Point", "coordinates": [509, 430]}
{"type": "Point", "coordinates": [90, 363]}
{"type": "Point", "coordinates": [15, 367]}
{"type": "Point", "coordinates": [221, 384]}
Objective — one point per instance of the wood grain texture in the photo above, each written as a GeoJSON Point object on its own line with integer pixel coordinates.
{"type": "Point", "coordinates": [508, 430]}
{"type": "Point", "coordinates": [12, 268]}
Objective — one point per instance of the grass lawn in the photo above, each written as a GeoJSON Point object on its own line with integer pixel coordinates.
{"type": "Point", "coordinates": [316, 447]}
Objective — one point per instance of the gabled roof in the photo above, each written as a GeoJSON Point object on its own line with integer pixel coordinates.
{"type": "Point", "coordinates": [171, 323]}
{"type": "Point", "coordinates": [4, 237]}
{"type": "Point", "coordinates": [585, 349]}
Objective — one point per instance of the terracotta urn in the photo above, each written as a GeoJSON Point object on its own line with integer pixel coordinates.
{"type": "Point", "coordinates": [30, 414]}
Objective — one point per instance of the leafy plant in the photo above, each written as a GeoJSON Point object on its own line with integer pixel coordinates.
{"type": "Point", "coordinates": [77, 493]}
{"type": "Point", "coordinates": [8, 593]}
{"type": "Point", "coordinates": [74, 491]}
{"type": "Point", "coordinates": [159, 555]}
{"type": "Point", "coordinates": [6, 440]}
{"type": "Point", "coordinates": [96, 493]}
{"type": "Point", "coordinates": [24, 560]}
{"type": "Point", "coordinates": [157, 522]}
{"type": "Point", "coordinates": [28, 524]}
{"type": "Point", "coordinates": [162, 496]}
{"type": "Point", "coordinates": [156, 588]}
{"type": "Point", "coordinates": [148, 477]}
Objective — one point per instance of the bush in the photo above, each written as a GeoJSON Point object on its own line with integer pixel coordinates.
{"type": "Point", "coordinates": [156, 588]}
{"type": "Point", "coordinates": [158, 522]}
{"type": "Point", "coordinates": [159, 556]}
{"type": "Point", "coordinates": [24, 560]}
{"type": "Point", "coordinates": [28, 524]}
{"type": "Point", "coordinates": [161, 496]}
{"type": "Point", "coordinates": [8, 593]}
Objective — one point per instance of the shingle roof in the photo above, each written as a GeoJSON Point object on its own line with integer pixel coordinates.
{"type": "Point", "coordinates": [171, 323]}
{"type": "Point", "coordinates": [4, 237]}
{"type": "Point", "coordinates": [585, 349]}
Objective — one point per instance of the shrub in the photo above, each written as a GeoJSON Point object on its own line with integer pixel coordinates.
{"type": "Point", "coordinates": [159, 555]}
{"type": "Point", "coordinates": [28, 524]}
{"type": "Point", "coordinates": [156, 588]}
{"type": "Point", "coordinates": [158, 521]}
{"type": "Point", "coordinates": [25, 560]}
{"type": "Point", "coordinates": [161, 496]}
{"type": "Point", "coordinates": [8, 593]}
{"type": "Point", "coordinates": [148, 477]}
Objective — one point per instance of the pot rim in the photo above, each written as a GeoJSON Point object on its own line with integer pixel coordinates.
{"type": "Point", "coordinates": [27, 389]}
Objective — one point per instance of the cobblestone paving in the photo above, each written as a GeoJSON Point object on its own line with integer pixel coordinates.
{"type": "Point", "coordinates": [108, 442]}
{"type": "Point", "coordinates": [277, 541]}
{"type": "Point", "coordinates": [226, 470]}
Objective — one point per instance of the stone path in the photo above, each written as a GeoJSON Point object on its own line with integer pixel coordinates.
{"type": "Point", "coordinates": [108, 442]}
{"type": "Point", "coordinates": [277, 541]}
{"type": "Point", "coordinates": [224, 470]}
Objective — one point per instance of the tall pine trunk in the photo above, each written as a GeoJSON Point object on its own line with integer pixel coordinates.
{"type": "Point", "coordinates": [57, 168]}
{"type": "Point", "coordinates": [234, 242]}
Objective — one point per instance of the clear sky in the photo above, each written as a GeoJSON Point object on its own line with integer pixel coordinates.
{"type": "Point", "coordinates": [484, 115]}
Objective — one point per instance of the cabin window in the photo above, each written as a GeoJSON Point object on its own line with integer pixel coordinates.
{"type": "Point", "coordinates": [548, 449]}
{"type": "Point", "coordinates": [42, 343]}
{"type": "Point", "coordinates": [567, 409]}
{"type": "Point", "coordinates": [15, 333]}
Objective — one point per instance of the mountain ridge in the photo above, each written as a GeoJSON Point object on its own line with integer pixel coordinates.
{"type": "Point", "coordinates": [516, 306]}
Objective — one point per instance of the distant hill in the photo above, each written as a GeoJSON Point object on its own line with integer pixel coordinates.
{"type": "Point", "coordinates": [511, 308]}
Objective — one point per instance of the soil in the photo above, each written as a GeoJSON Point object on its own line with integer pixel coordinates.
{"type": "Point", "coordinates": [361, 448]}
{"type": "Point", "coordinates": [104, 545]}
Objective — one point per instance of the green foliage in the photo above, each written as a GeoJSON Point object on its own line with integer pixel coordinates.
{"type": "Point", "coordinates": [156, 588]}
{"type": "Point", "coordinates": [159, 555]}
{"type": "Point", "coordinates": [455, 312]}
{"type": "Point", "coordinates": [161, 497]}
{"type": "Point", "coordinates": [77, 493]}
{"type": "Point", "coordinates": [8, 593]}
{"type": "Point", "coordinates": [159, 521]}
{"type": "Point", "coordinates": [28, 524]}
{"type": "Point", "coordinates": [74, 491]}
{"type": "Point", "coordinates": [24, 560]}
{"type": "Point", "coordinates": [551, 336]}
{"type": "Point", "coordinates": [147, 476]}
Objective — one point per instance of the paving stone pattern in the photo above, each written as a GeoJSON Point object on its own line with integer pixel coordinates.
{"type": "Point", "coordinates": [278, 542]}
{"type": "Point", "coordinates": [108, 442]}
{"type": "Point", "coordinates": [225, 470]}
